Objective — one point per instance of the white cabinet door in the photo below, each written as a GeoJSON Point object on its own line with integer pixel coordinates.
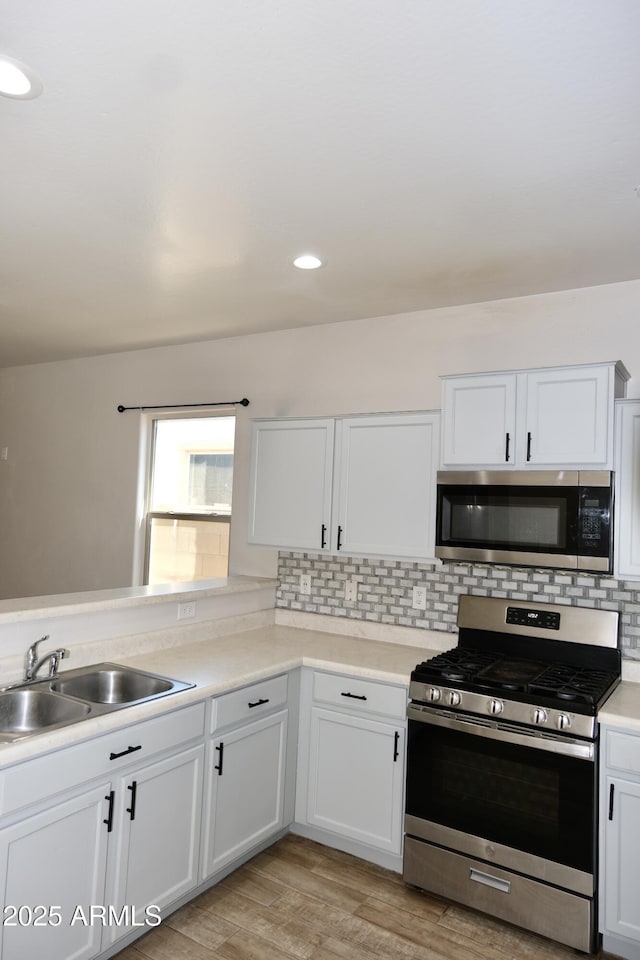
{"type": "Point", "coordinates": [290, 483]}
{"type": "Point", "coordinates": [622, 859]}
{"type": "Point", "coordinates": [55, 862]}
{"type": "Point", "coordinates": [157, 834]}
{"type": "Point", "coordinates": [356, 778]}
{"type": "Point", "coordinates": [569, 417]}
{"type": "Point", "coordinates": [627, 492]}
{"type": "Point", "coordinates": [557, 417]}
{"type": "Point", "coordinates": [479, 420]}
{"type": "Point", "coordinates": [385, 482]}
{"type": "Point", "coordinates": [245, 795]}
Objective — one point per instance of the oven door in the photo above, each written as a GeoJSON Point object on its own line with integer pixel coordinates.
{"type": "Point", "coordinates": [497, 791]}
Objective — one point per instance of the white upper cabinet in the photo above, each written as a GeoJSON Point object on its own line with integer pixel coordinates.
{"type": "Point", "coordinates": [532, 419]}
{"type": "Point", "coordinates": [370, 492]}
{"type": "Point", "coordinates": [385, 485]}
{"type": "Point", "coordinates": [290, 483]}
{"type": "Point", "coordinates": [627, 490]}
{"type": "Point", "coordinates": [479, 420]}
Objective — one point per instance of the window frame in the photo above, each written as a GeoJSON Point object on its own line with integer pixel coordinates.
{"type": "Point", "coordinates": [148, 515]}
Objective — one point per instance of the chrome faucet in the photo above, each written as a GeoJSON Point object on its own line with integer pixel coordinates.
{"type": "Point", "coordinates": [32, 664]}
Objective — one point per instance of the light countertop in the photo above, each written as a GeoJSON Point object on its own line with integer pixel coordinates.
{"type": "Point", "coordinates": [118, 598]}
{"type": "Point", "coordinates": [622, 709]}
{"type": "Point", "coordinates": [226, 663]}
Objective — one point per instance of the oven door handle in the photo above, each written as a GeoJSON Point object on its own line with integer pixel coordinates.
{"type": "Point", "coordinates": [494, 730]}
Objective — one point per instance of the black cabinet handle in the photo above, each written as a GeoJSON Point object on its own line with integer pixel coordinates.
{"type": "Point", "coordinates": [506, 449]}
{"type": "Point", "coordinates": [396, 752]}
{"type": "Point", "coordinates": [339, 543]}
{"type": "Point", "coordinates": [528, 447]}
{"type": "Point", "coordinates": [109, 821]}
{"type": "Point", "coordinates": [123, 753]}
{"type": "Point", "coordinates": [218, 766]}
{"type": "Point", "coordinates": [323, 536]}
{"type": "Point", "coordinates": [611, 791]}
{"type": "Point", "coordinates": [354, 696]}
{"type": "Point", "coordinates": [257, 703]}
{"type": "Point", "coordinates": [134, 792]}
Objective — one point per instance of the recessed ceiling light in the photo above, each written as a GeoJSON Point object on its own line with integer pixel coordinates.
{"type": "Point", "coordinates": [307, 261]}
{"type": "Point", "coordinates": [18, 81]}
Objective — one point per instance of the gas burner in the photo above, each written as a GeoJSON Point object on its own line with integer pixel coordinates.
{"type": "Point", "coordinates": [455, 676]}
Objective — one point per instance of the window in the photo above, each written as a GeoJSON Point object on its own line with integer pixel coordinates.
{"type": "Point", "coordinates": [189, 513]}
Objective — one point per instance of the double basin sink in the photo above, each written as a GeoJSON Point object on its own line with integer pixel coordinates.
{"type": "Point", "coordinates": [42, 705]}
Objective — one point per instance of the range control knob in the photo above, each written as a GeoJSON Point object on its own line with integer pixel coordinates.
{"type": "Point", "coordinates": [564, 721]}
{"type": "Point", "coordinates": [539, 716]}
{"type": "Point", "coordinates": [453, 698]}
{"type": "Point", "coordinates": [496, 706]}
{"type": "Point", "coordinates": [434, 694]}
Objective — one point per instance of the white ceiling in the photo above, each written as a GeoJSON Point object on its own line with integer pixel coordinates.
{"type": "Point", "coordinates": [434, 152]}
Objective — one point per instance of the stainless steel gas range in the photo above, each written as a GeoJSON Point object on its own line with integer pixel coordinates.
{"type": "Point", "coordinates": [501, 801]}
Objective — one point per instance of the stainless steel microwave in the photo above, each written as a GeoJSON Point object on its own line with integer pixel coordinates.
{"type": "Point", "coordinates": [538, 518]}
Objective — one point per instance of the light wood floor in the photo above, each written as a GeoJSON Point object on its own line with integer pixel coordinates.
{"type": "Point", "coordinates": [302, 901]}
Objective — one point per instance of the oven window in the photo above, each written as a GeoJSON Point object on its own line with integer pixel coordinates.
{"type": "Point", "coordinates": [506, 518]}
{"type": "Point", "coordinates": [538, 802]}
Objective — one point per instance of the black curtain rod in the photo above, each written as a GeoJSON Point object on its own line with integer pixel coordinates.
{"type": "Point", "coordinates": [183, 406]}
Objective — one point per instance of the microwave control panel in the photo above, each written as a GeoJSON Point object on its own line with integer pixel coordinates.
{"type": "Point", "coordinates": [594, 529]}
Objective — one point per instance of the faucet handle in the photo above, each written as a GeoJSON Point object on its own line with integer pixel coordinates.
{"type": "Point", "coordinates": [54, 660]}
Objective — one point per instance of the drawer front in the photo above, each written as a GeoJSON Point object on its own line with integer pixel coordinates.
{"type": "Point", "coordinates": [249, 703]}
{"type": "Point", "coordinates": [536, 906]}
{"type": "Point", "coordinates": [622, 751]}
{"type": "Point", "coordinates": [64, 769]}
{"type": "Point", "coordinates": [361, 695]}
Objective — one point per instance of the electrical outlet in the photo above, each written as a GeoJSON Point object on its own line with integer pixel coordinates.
{"type": "Point", "coordinates": [305, 583]}
{"type": "Point", "coordinates": [419, 598]}
{"type": "Point", "coordinates": [186, 611]}
{"type": "Point", "coordinates": [351, 590]}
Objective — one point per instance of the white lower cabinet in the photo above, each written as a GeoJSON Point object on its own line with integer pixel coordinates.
{"type": "Point", "coordinates": [246, 766]}
{"type": "Point", "coordinates": [620, 843]}
{"type": "Point", "coordinates": [54, 866]}
{"type": "Point", "coordinates": [351, 764]}
{"type": "Point", "coordinates": [83, 864]}
{"type": "Point", "coordinates": [157, 837]}
{"type": "Point", "coordinates": [97, 839]}
{"type": "Point", "coordinates": [356, 778]}
{"type": "Point", "coordinates": [246, 790]}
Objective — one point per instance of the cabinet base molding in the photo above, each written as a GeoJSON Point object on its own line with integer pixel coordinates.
{"type": "Point", "coordinates": [390, 861]}
{"type": "Point", "coordinates": [621, 948]}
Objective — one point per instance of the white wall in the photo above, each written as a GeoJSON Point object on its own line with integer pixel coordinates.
{"type": "Point", "coordinates": [68, 492]}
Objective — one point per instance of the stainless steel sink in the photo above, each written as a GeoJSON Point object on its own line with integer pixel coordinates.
{"type": "Point", "coordinates": [27, 711]}
{"type": "Point", "coordinates": [112, 684]}
{"type": "Point", "coordinates": [40, 705]}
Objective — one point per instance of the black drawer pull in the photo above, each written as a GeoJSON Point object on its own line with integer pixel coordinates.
{"type": "Point", "coordinates": [257, 703]}
{"type": "Point", "coordinates": [396, 752]}
{"type": "Point", "coordinates": [528, 447]}
{"type": "Point", "coordinates": [123, 753]}
{"type": "Point", "coordinates": [134, 792]}
{"type": "Point", "coordinates": [339, 543]}
{"type": "Point", "coordinates": [506, 451]}
{"type": "Point", "coordinates": [611, 790]}
{"type": "Point", "coordinates": [109, 820]}
{"type": "Point", "coordinates": [218, 766]}
{"type": "Point", "coordinates": [354, 696]}
{"type": "Point", "coordinates": [323, 537]}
